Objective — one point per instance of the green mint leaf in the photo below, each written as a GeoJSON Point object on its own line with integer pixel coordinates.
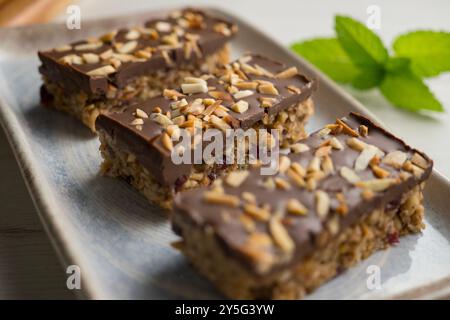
{"type": "Point", "coordinates": [407, 91]}
{"type": "Point", "coordinates": [363, 46]}
{"type": "Point", "coordinates": [328, 56]}
{"type": "Point", "coordinates": [369, 78]}
{"type": "Point", "coordinates": [429, 51]}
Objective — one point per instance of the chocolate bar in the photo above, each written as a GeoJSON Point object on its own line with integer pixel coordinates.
{"type": "Point", "coordinates": [346, 191]}
{"type": "Point", "coordinates": [252, 92]}
{"type": "Point", "coordinates": [89, 77]}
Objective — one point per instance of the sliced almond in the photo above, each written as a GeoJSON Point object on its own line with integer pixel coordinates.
{"type": "Point", "coordinates": [236, 178]}
{"type": "Point", "coordinates": [71, 59]}
{"type": "Point", "coordinates": [324, 132]}
{"type": "Point", "coordinates": [327, 165]}
{"type": "Point", "coordinates": [144, 54]}
{"type": "Point", "coordinates": [281, 236]}
{"type": "Point", "coordinates": [284, 164]}
{"type": "Point", "coordinates": [188, 88]}
{"type": "Point", "coordinates": [281, 183]}
{"type": "Point", "coordinates": [173, 131]}
{"type": "Point", "coordinates": [297, 167]}
{"type": "Point", "coordinates": [322, 203]}
{"type": "Point", "coordinates": [322, 151]}
{"type": "Point", "coordinates": [221, 198]}
{"type": "Point", "coordinates": [219, 123]}
{"type": "Point", "coordinates": [137, 122]}
{"type": "Point", "coordinates": [162, 119]}
{"type": "Point", "coordinates": [102, 71]}
{"type": "Point", "coordinates": [127, 47]}
{"type": "Point", "coordinates": [294, 89]}
{"type": "Point", "coordinates": [336, 144]}
{"type": "Point", "coordinates": [364, 158]}
{"type": "Point", "coordinates": [163, 26]}
{"type": "Point", "coordinates": [88, 46]}
{"type": "Point", "coordinates": [299, 147]}
{"type": "Point", "coordinates": [294, 206]}
{"type": "Point", "coordinates": [420, 161]}
{"type": "Point", "coordinates": [243, 94]}
{"type": "Point", "coordinates": [363, 130]}
{"type": "Point", "coordinates": [247, 85]}
{"type": "Point", "coordinates": [166, 141]}
{"type": "Point", "coordinates": [90, 57]}
{"type": "Point", "coordinates": [395, 159]}
{"type": "Point", "coordinates": [287, 73]}
{"type": "Point", "coordinates": [249, 197]}
{"type": "Point", "coordinates": [240, 107]}
{"type": "Point", "coordinates": [314, 165]}
{"type": "Point", "coordinates": [349, 175]}
{"type": "Point", "coordinates": [347, 129]}
{"type": "Point", "coordinates": [172, 94]}
{"type": "Point", "coordinates": [106, 54]}
{"type": "Point", "coordinates": [132, 35]}
{"type": "Point", "coordinates": [256, 212]}
{"type": "Point", "coordinates": [64, 48]}
{"type": "Point", "coordinates": [141, 113]}
{"type": "Point", "coordinates": [376, 185]}
{"type": "Point", "coordinates": [380, 172]}
{"type": "Point", "coordinates": [268, 89]}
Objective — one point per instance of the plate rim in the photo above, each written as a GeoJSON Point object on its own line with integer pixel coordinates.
{"type": "Point", "coordinates": [58, 230]}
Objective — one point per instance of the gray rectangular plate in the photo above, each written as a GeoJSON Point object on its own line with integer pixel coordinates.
{"type": "Point", "coordinates": [120, 242]}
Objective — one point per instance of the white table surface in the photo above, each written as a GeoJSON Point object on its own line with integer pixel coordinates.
{"type": "Point", "coordinates": [28, 265]}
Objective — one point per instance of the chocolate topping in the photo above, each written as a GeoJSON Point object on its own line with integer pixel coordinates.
{"type": "Point", "coordinates": [182, 37]}
{"type": "Point", "coordinates": [379, 169]}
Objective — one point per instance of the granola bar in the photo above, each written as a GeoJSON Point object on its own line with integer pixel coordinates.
{"type": "Point", "coordinates": [346, 191]}
{"type": "Point", "coordinates": [95, 75]}
{"type": "Point", "coordinates": [253, 92]}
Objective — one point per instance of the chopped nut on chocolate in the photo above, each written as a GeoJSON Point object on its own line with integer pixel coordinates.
{"type": "Point", "coordinates": [240, 107]}
{"type": "Point", "coordinates": [365, 157]}
{"type": "Point", "coordinates": [349, 175]}
{"type": "Point", "coordinates": [256, 212]}
{"type": "Point", "coordinates": [294, 206]}
{"type": "Point", "coordinates": [268, 89]}
{"type": "Point", "coordinates": [336, 144]}
{"type": "Point", "coordinates": [287, 73]}
{"type": "Point", "coordinates": [322, 203]}
{"type": "Point", "coordinates": [102, 71]}
{"type": "Point", "coordinates": [141, 113]}
{"type": "Point", "coordinates": [299, 147]}
{"type": "Point", "coordinates": [395, 159]}
{"type": "Point", "coordinates": [243, 94]}
{"type": "Point", "coordinates": [281, 236]}
{"type": "Point", "coordinates": [420, 161]}
{"type": "Point", "coordinates": [91, 57]}
{"type": "Point", "coordinates": [346, 129]}
{"type": "Point", "coordinates": [376, 185]}
{"type": "Point", "coordinates": [221, 198]}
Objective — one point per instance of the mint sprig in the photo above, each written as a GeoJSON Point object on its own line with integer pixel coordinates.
{"type": "Point", "coordinates": [357, 56]}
